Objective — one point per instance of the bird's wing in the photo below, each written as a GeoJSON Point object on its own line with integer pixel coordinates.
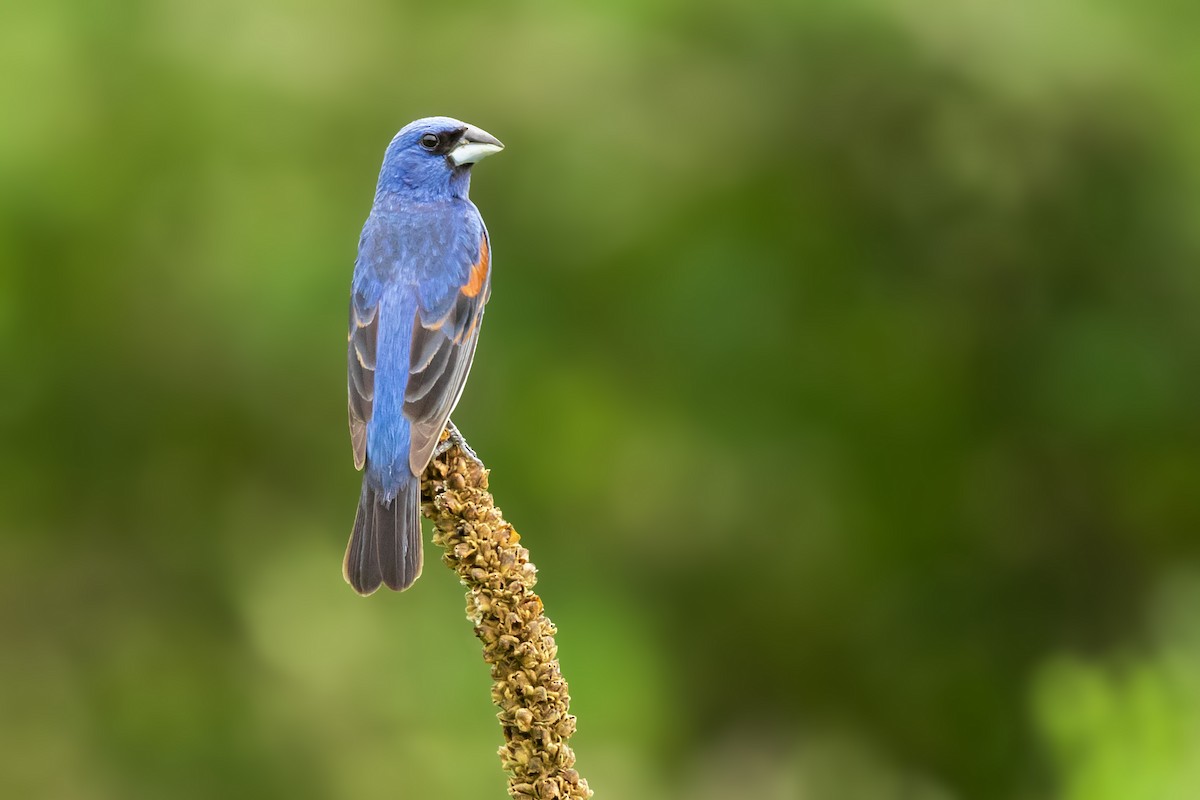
{"type": "Point", "coordinates": [364, 331]}
{"type": "Point", "coordinates": [363, 334]}
{"type": "Point", "coordinates": [443, 346]}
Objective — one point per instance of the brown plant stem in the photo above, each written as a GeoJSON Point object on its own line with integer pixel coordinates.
{"type": "Point", "coordinates": [518, 639]}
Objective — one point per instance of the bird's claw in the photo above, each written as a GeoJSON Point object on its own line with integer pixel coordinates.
{"type": "Point", "coordinates": [454, 438]}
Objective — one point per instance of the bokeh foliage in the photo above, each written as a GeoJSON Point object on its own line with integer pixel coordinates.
{"type": "Point", "coordinates": [841, 375]}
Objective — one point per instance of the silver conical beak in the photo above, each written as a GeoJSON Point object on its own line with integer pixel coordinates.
{"type": "Point", "coordinates": [475, 144]}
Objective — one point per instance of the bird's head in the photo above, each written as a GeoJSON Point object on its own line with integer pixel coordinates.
{"type": "Point", "coordinates": [434, 156]}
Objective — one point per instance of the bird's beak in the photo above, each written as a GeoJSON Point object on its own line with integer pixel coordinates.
{"type": "Point", "coordinates": [475, 144]}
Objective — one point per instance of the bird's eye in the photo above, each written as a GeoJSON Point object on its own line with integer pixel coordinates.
{"type": "Point", "coordinates": [429, 141]}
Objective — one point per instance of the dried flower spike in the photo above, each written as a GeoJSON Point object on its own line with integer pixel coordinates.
{"type": "Point", "coordinates": [518, 639]}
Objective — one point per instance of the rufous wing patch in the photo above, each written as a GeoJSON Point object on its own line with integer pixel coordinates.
{"type": "Point", "coordinates": [479, 271]}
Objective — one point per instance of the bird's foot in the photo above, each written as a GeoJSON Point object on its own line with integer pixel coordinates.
{"type": "Point", "coordinates": [454, 438]}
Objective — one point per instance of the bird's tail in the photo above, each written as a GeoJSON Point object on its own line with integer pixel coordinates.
{"type": "Point", "coordinates": [385, 545]}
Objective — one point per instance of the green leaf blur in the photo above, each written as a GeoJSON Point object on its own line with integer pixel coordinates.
{"type": "Point", "coordinates": [841, 374]}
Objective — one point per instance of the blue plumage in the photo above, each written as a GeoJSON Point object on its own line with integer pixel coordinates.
{"type": "Point", "coordinates": [420, 283]}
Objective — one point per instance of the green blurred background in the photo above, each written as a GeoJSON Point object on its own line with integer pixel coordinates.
{"type": "Point", "coordinates": [841, 374]}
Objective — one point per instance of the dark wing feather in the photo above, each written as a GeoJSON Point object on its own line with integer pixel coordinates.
{"type": "Point", "coordinates": [440, 358]}
{"type": "Point", "coordinates": [364, 331]}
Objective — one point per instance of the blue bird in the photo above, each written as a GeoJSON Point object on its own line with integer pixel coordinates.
{"type": "Point", "coordinates": [421, 279]}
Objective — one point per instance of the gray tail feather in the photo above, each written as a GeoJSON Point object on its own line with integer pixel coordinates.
{"type": "Point", "coordinates": [385, 545]}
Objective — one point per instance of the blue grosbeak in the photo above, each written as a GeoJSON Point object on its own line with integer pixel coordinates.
{"type": "Point", "coordinates": [421, 279]}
